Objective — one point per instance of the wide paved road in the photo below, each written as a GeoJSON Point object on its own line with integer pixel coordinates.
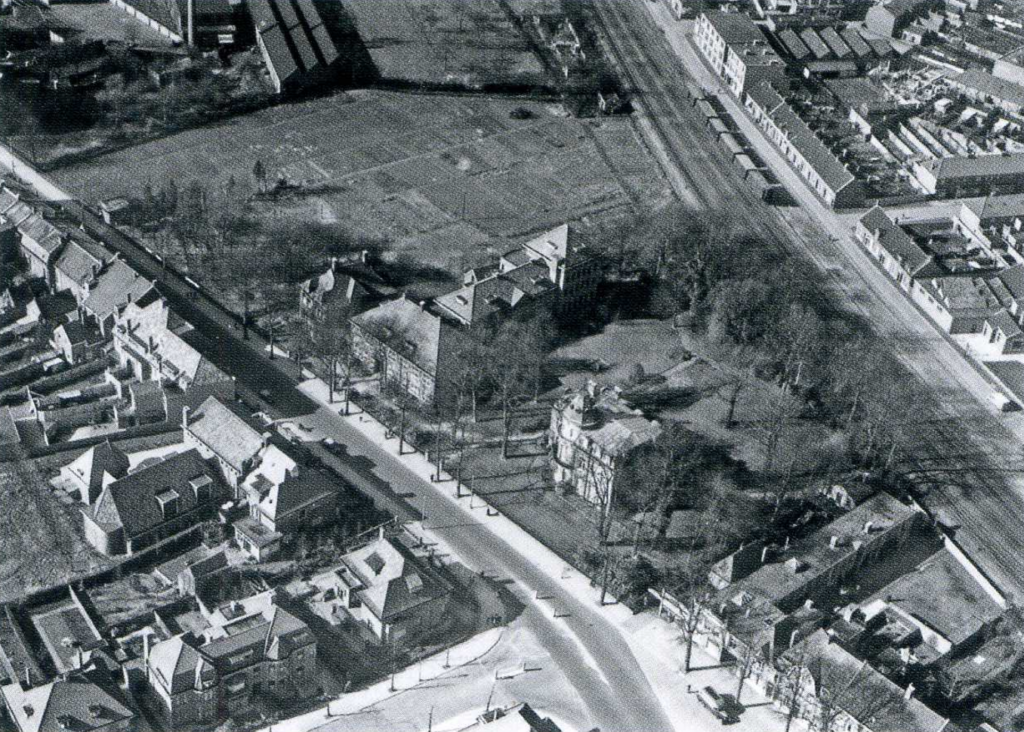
{"type": "Point", "coordinates": [971, 457]}
{"type": "Point", "coordinates": [589, 650]}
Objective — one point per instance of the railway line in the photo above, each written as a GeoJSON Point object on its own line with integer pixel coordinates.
{"type": "Point", "coordinates": [969, 461]}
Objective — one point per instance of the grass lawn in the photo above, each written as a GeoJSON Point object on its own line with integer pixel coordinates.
{"type": "Point", "coordinates": [42, 535]}
{"type": "Point", "coordinates": [444, 180]}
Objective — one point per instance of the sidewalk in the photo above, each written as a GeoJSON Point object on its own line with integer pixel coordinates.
{"type": "Point", "coordinates": [653, 641]}
{"type": "Point", "coordinates": [434, 667]}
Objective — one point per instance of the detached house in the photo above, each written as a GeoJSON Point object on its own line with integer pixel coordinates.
{"type": "Point", "coordinates": [592, 434]}
{"type": "Point", "coordinates": [414, 345]}
{"type": "Point", "coordinates": [94, 469]}
{"type": "Point", "coordinates": [354, 284]}
{"type": "Point", "coordinates": [82, 701]}
{"type": "Point", "coordinates": [284, 497]}
{"type": "Point", "coordinates": [220, 433]}
{"type": "Point", "coordinates": [397, 595]}
{"type": "Point", "coordinates": [408, 343]}
{"type": "Point", "coordinates": [250, 649]}
{"type": "Point", "coordinates": [151, 504]}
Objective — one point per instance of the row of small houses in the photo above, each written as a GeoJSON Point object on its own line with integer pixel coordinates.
{"type": "Point", "coordinates": [804, 625]}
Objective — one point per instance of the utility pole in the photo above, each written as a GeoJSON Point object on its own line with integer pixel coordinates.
{"type": "Point", "coordinates": [437, 448]}
{"type": "Point", "coordinates": [604, 577]}
{"type": "Point", "coordinates": [401, 430]}
{"type": "Point", "coordinates": [245, 311]}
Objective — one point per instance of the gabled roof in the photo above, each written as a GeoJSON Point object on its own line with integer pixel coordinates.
{"type": "Point", "coordinates": [8, 429]}
{"type": "Point", "coordinates": [552, 244]}
{"type": "Point", "coordinates": [412, 330]}
{"type": "Point", "coordinates": [896, 241]}
{"type": "Point", "coordinates": [151, 322]}
{"type": "Point", "coordinates": [997, 207]}
{"type": "Point", "coordinates": [394, 580]}
{"type": "Point", "coordinates": [55, 306]}
{"type": "Point", "coordinates": [828, 167]}
{"type": "Point", "coordinates": [82, 259]}
{"type": "Point", "coordinates": [118, 285]}
{"type": "Point", "coordinates": [982, 165]}
{"type": "Point", "coordinates": [132, 502]}
{"type": "Point", "coordinates": [296, 492]}
{"type": "Point", "coordinates": [76, 703]}
{"type": "Point", "coordinates": [226, 433]}
{"type": "Point", "coordinates": [876, 703]}
{"type": "Point", "coordinates": [293, 35]}
{"type": "Point", "coordinates": [177, 664]}
{"type": "Point", "coordinates": [993, 86]}
{"type": "Point", "coordinates": [94, 462]}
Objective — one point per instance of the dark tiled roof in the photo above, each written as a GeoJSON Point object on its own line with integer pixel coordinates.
{"type": "Point", "coordinates": [293, 35]}
{"type": "Point", "coordinates": [395, 581]}
{"type": "Point", "coordinates": [412, 330]}
{"type": "Point", "coordinates": [103, 458]}
{"type": "Point", "coordinates": [55, 306]}
{"type": "Point", "coordinates": [304, 489]}
{"type": "Point", "coordinates": [797, 48]}
{"type": "Point", "coordinates": [131, 502]}
{"type": "Point", "coordinates": [8, 429]}
{"type": "Point", "coordinates": [735, 27]}
{"type": "Point", "coordinates": [828, 167]}
{"type": "Point", "coordinates": [895, 240]}
{"type": "Point", "coordinates": [82, 258]}
{"type": "Point", "coordinates": [76, 703]}
{"type": "Point", "coordinates": [983, 165]}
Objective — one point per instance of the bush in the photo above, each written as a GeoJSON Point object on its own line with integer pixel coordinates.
{"type": "Point", "coordinates": [520, 113]}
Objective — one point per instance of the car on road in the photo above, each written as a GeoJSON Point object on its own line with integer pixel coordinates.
{"type": "Point", "coordinates": [716, 704]}
{"type": "Point", "coordinates": [1003, 403]}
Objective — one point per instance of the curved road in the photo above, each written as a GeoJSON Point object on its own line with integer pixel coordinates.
{"type": "Point", "coordinates": [589, 650]}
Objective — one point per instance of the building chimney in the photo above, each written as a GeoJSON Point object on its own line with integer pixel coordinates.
{"type": "Point", "coordinates": [868, 525]}
{"type": "Point", "coordinates": [380, 532]}
{"type": "Point", "coordinates": [364, 255]}
{"type": "Point", "coordinates": [191, 23]}
{"type": "Point", "coordinates": [184, 418]}
{"type": "Point", "coordinates": [764, 554]}
{"type": "Point", "coordinates": [909, 693]}
{"type": "Point", "coordinates": [145, 648]}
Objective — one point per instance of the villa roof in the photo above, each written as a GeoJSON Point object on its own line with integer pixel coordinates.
{"type": "Point", "coordinates": [226, 433]}
{"type": "Point", "coordinates": [102, 458]}
{"type": "Point", "coordinates": [133, 502]}
{"type": "Point", "coordinates": [393, 579]}
{"type": "Point", "coordinates": [76, 702]}
{"type": "Point", "coordinates": [117, 286]}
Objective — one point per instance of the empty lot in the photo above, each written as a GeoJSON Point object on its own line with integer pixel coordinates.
{"type": "Point", "coordinates": [435, 176]}
{"type": "Point", "coordinates": [41, 542]}
{"type": "Point", "coordinates": [470, 42]}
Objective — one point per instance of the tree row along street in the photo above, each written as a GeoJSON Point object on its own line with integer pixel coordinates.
{"type": "Point", "coordinates": [608, 677]}
{"type": "Point", "coordinates": [967, 457]}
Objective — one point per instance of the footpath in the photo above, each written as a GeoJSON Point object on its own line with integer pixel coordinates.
{"type": "Point", "coordinates": [656, 644]}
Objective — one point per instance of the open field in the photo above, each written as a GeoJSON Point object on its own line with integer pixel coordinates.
{"type": "Point", "coordinates": [41, 542]}
{"type": "Point", "coordinates": [470, 43]}
{"type": "Point", "coordinates": [435, 177]}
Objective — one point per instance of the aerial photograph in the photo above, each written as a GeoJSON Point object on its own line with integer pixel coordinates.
{"type": "Point", "coordinates": [511, 365]}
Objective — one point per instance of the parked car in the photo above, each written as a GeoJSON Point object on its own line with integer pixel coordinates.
{"type": "Point", "coordinates": [716, 704]}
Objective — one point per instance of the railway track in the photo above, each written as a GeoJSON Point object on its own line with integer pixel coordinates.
{"type": "Point", "coordinates": [963, 455]}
